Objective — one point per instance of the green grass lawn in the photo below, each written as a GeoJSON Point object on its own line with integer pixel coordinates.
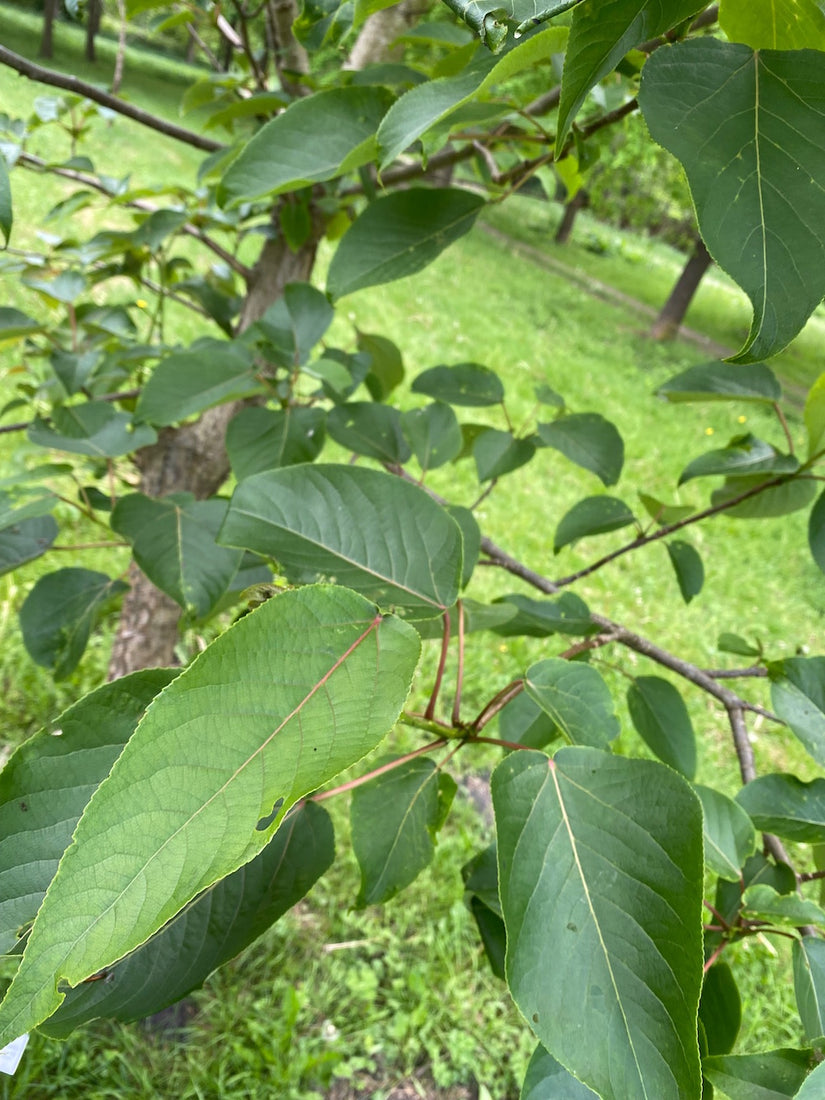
{"type": "Point", "coordinates": [331, 995]}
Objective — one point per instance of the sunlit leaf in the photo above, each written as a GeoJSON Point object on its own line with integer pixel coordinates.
{"type": "Point", "coordinates": [315, 138]}
{"type": "Point", "coordinates": [288, 697]}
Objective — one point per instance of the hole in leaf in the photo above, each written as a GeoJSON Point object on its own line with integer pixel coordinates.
{"type": "Point", "coordinates": [265, 822]}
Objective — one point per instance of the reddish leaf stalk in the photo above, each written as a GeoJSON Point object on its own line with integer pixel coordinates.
{"type": "Point", "coordinates": [429, 713]}
{"type": "Point", "coordinates": [459, 680]}
{"type": "Point", "coordinates": [353, 783]}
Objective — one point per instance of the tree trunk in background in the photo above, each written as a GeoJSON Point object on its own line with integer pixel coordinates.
{"type": "Point", "coordinates": [93, 14]}
{"type": "Point", "coordinates": [120, 57]}
{"type": "Point", "coordinates": [193, 459]}
{"type": "Point", "coordinates": [580, 201]}
{"type": "Point", "coordinates": [380, 31]}
{"type": "Point", "coordinates": [47, 40]}
{"type": "Point", "coordinates": [673, 311]}
{"type": "Point", "coordinates": [290, 56]}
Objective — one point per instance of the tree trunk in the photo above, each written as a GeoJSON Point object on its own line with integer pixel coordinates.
{"type": "Point", "coordinates": [120, 57]}
{"type": "Point", "coordinates": [193, 459]}
{"type": "Point", "coordinates": [673, 311]}
{"type": "Point", "coordinates": [380, 31]}
{"type": "Point", "coordinates": [291, 58]}
{"type": "Point", "coordinates": [94, 13]}
{"type": "Point", "coordinates": [579, 202]}
{"type": "Point", "coordinates": [47, 40]}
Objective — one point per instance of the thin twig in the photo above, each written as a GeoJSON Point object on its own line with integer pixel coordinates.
{"type": "Point", "coordinates": [736, 673]}
{"type": "Point", "coordinates": [781, 417]}
{"type": "Point", "coordinates": [82, 88]}
{"type": "Point", "coordinates": [28, 160]}
{"type": "Point", "coordinates": [669, 529]}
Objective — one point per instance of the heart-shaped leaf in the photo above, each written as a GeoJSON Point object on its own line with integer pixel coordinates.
{"type": "Point", "coordinates": [371, 531]}
{"type": "Point", "coordinates": [750, 132]}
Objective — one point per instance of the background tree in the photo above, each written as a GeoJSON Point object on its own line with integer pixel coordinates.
{"type": "Point", "coordinates": [208, 782]}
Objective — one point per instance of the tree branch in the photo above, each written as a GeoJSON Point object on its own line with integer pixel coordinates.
{"type": "Point", "coordinates": [28, 160]}
{"type": "Point", "coordinates": [669, 529]}
{"type": "Point", "coordinates": [105, 99]}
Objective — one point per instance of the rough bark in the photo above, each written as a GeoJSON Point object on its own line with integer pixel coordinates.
{"type": "Point", "coordinates": [94, 13]}
{"type": "Point", "coordinates": [291, 58]}
{"type": "Point", "coordinates": [47, 39]}
{"type": "Point", "coordinates": [673, 311]}
{"type": "Point", "coordinates": [380, 31]}
{"type": "Point", "coordinates": [579, 202]}
{"type": "Point", "coordinates": [193, 459]}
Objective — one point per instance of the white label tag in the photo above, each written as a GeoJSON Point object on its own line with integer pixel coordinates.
{"type": "Point", "coordinates": [10, 1056]}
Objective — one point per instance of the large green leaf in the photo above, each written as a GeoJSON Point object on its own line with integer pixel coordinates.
{"type": "Point", "coordinates": [25, 541]}
{"type": "Point", "coordinates": [316, 138]}
{"type": "Point", "coordinates": [661, 718]}
{"type": "Point", "coordinates": [223, 920]}
{"type": "Point", "coordinates": [730, 837]}
{"type": "Point", "coordinates": [588, 440]}
{"type": "Point", "coordinates": [787, 806]}
{"type": "Point", "coordinates": [188, 382]}
{"type": "Point", "coordinates": [687, 565]}
{"type": "Point", "coordinates": [591, 516]}
{"type": "Point", "coordinates": [288, 697]}
{"type": "Point", "coordinates": [723, 382]}
{"type": "Point", "coordinates": [47, 782]}
{"type": "Point", "coordinates": [524, 722]}
{"type": "Point", "coordinates": [14, 324]}
{"type": "Point", "coordinates": [173, 540]}
{"type": "Point", "coordinates": [264, 439]}
{"type": "Point", "coordinates": [94, 428]}
{"type": "Point", "coordinates": [498, 453]}
{"type": "Point", "coordinates": [816, 532]}
{"type": "Point", "coordinates": [429, 103]}
{"type": "Point", "coordinates": [294, 324]}
{"type": "Point", "coordinates": [433, 433]}
{"type": "Point", "coordinates": [601, 857]}
{"type": "Point", "coordinates": [744, 456]}
{"type": "Point", "coordinates": [815, 416]}
{"type": "Point", "coordinates": [6, 214]}
{"type": "Point", "coordinates": [395, 819]}
{"type": "Point", "coordinates": [547, 1079]}
{"type": "Point", "coordinates": [59, 614]}
{"type": "Point", "coordinates": [798, 697]}
{"type": "Point", "coordinates": [809, 984]}
{"type": "Point", "coordinates": [750, 130]}
{"type": "Point", "coordinates": [766, 903]}
{"type": "Point", "coordinates": [777, 25]}
{"type": "Point", "coordinates": [576, 697]}
{"type": "Point", "coordinates": [466, 384]}
{"type": "Point", "coordinates": [370, 429]}
{"type": "Point", "coordinates": [373, 532]}
{"type": "Point", "coordinates": [720, 1010]}
{"type": "Point", "coordinates": [568, 614]}
{"type": "Point", "coordinates": [399, 234]}
{"type": "Point", "coordinates": [780, 500]}
{"type": "Point", "coordinates": [814, 1085]}
{"type": "Point", "coordinates": [774, 1075]}
{"type": "Point", "coordinates": [600, 35]}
